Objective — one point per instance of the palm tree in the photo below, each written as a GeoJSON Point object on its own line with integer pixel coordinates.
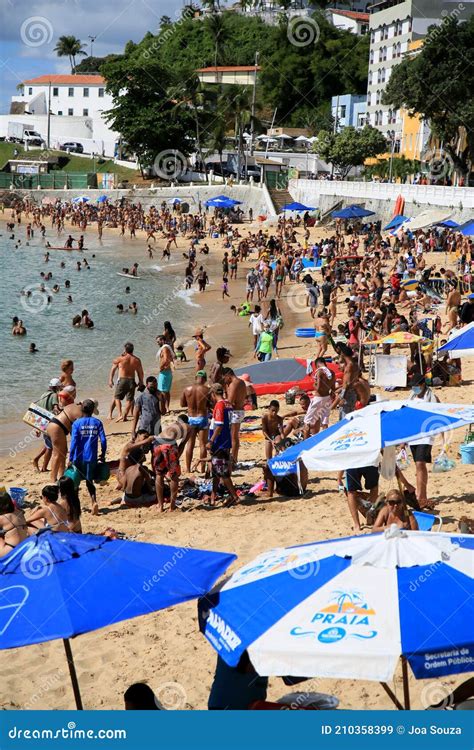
{"type": "Point", "coordinates": [217, 27]}
{"type": "Point", "coordinates": [70, 46]}
{"type": "Point", "coordinates": [192, 95]}
{"type": "Point", "coordinates": [217, 138]}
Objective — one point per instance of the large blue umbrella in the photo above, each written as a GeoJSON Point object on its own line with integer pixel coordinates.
{"type": "Point", "coordinates": [352, 212]}
{"type": "Point", "coordinates": [59, 585]}
{"type": "Point", "coordinates": [396, 222]}
{"type": "Point", "coordinates": [349, 608]}
{"type": "Point", "coordinates": [295, 206]}
{"type": "Point", "coordinates": [222, 201]}
{"type": "Point", "coordinates": [356, 441]}
{"type": "Point", "coordinates": [467, 228]}
{"type": "Point", "coordinates": [102, 199]}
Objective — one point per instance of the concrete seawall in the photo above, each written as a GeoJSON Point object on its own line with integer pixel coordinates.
{"type": "Point", "coordinates": [381, 197]}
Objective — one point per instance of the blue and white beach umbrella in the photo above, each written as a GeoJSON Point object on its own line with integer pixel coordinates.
{"type": "Point", "coordinates": [349, 608]}
{"type": "Point", "coordinates": [461, 343]}
{"type": "Point", "coordinates": [357, 439]}
{"type": "Point", "coordinates": [81, 199]}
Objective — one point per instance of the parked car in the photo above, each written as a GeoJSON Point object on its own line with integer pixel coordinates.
{"type": "Point", "coordinates": [73, 147]}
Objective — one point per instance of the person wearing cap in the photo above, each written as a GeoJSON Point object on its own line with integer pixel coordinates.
{"type": "Point", "coordinates": [196, 399]}
{"type": "Point", "coordinates": [86, 432]}
{"type": "Point", "coordinates": [49, 401]}
{"type": "Point", "coordinates": [217, 368]}
{"type": "Point", "coordinates": [421, 449]}
{"type": "Point", "coordinates": [220, 444]}
{"type": "Point", "coordinates": [165, 461]}
{"type": "Point", "coordinates": [202, 347]}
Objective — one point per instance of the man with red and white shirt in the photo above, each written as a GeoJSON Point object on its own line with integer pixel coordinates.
{"type": "Point", "coordinates": [220, 444]}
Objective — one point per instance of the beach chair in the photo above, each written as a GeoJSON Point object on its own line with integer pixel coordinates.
{"type": "Point", "coordinates": [426, 521]}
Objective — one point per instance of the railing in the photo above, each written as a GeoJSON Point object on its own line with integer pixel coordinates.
{"type": "Point", "coordinates": [434, 195]}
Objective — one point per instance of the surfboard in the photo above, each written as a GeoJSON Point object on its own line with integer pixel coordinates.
{"type": "Point", "coordinates": [52, 247]}
{"type": "Point", "coordinates": [128, 275]}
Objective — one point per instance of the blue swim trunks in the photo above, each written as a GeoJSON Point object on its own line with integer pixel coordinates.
{"type": "Point", "coordinates": [199, 423]}
{"type": "Point", "coordinates": [164, 381]}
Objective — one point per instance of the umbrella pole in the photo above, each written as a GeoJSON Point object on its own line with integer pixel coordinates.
{"type": "Point", "coordinates": [73, 675]}
{"type": "Point", "coordinates": [406, 687]}
{"type": "Point", "coordinates": [392, 696]}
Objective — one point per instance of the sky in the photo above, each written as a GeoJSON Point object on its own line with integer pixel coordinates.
{"type": "Point", "coordinates": [30, 29]}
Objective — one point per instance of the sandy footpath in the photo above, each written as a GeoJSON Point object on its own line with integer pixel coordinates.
{"type": "Point", "coordinates": [166, 648]}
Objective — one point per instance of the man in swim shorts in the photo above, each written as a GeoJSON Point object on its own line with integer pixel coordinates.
{"type": "Point", "coordinates": [165, 356]}
{"type": "Point", "coordinates": [128, 365]}
{"type": "Point", "coordinates": [317, 415]}
{"type": "Point", "coordinates": [196, 399]}
{"type": "Point", "coordinates": [236, 391]}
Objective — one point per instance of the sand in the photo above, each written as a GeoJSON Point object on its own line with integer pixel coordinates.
{"type": "Point", "coordinates": [166, 649]}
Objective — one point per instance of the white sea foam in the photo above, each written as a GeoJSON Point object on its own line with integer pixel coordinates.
{"type": "Point", "coordinates": [186, 294]}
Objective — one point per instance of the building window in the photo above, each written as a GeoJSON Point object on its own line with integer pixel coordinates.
{"type": "Point", "coordinates": [70, 112]}
{"type": "Point", "coordinates": [30, 91]}
{"type": "Point", "coordinates": [369, 99]}
{"type": "Point", "coordinates": [370, 78]}
{"type": "Point", "coordinates": [85, 92]}
{"type": "Point", "coordinates": [70, 91]}
{"type": "Point", "coordinates": [60, 112]}
{"type": "Point", "coordinates": [371, 56]}
{"type": "Point", "coordinates": [101, 93]}
{"type": "Point", "coordinates": [85, 113]}
{"type": "Point", "coordinates": [378, 97]}
{"type": "Point", "coordinates": [384, 32]}
{"type": "Point", "coordinates": [343, 111]}
{"type": "Point", "coordinates": [361, 121]}
{"type": "Point", "coordinates": [55, 91]}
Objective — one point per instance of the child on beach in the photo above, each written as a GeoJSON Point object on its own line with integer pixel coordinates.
{"type": "Point", "coordinates": [225, 286]}
{"type": "Point", "coordinates": [180, 354]}
{"type": "Point", "coordinates": [272, 427]}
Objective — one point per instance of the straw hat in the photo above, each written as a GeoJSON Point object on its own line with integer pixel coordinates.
{"type": "Point", "coordinates": [198, 332]}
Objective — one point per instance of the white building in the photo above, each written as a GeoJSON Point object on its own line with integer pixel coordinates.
{"type": "Point", "coordinates": [394, 26]}
{"type": "Point", "coordinates": [76, 103]}
{"type": "Point", "coordinates": [349, 20]}
{"type": "Point", "coordinates": [237, 75]}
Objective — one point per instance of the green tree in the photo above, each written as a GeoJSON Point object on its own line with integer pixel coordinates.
{"type": "Point", "coordinates": [71, 47]}
{"type": "Point", "coordinates": [143, 112]}
{"type": "Point", "coordinates": [438, 85]}
{"type": "Point", "coordinates": [350, 147]}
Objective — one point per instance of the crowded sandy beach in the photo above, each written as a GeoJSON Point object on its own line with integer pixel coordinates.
{"type": "Point", "coordinates": [178, 448]}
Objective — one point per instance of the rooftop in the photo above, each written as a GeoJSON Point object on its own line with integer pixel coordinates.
{"type": "Point", "coordinates": [79, 80]}
{"type": "Point", "coordinates": [229, 69]}
{"type": "Point", "coordinates": [350, 14]}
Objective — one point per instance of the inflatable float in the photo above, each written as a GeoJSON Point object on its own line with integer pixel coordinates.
{"type": "Point", "coordinates": [279, 375]}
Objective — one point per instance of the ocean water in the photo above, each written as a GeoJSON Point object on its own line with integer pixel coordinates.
{"type": "Point", "coordinates": [159, 294]}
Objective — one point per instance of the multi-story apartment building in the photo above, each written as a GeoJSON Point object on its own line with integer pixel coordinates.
{"type": "Point", "coordinates": [395, 25]}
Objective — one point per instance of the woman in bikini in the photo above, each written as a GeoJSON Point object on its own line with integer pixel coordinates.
{"type": "Point", "coordinates": [51, 514]}
{"type": "Point", "coordinates": [13, 529]}
{"type": "Point", "coordinates": [395, 512]}
{"type": "Point", "coordinates": [69, 500]}
{"type": "Point", "coordinates": [67, 368]}
{"type": "Point", "coordinates": [57, 431]}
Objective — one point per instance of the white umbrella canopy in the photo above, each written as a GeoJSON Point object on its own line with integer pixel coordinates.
{"type": "Point", "coordinates": [302, 138]}
{"type": "Point", "coordinates": [426, 219]}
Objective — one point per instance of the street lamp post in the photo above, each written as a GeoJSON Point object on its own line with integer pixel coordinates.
{"type": "Point", "coordinates": [92, 40]}
{"type": "Point", "coordinates": [391, 135]}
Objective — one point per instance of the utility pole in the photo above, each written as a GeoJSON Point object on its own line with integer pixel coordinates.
{"type": "Point", "coordinates": [48, 137]}
{"type": "Point", "coordinates": [92, 40]}
{"type": "Point", "coordinates": [254, 98]}
{"type": "Point", "coordinates": [271, 128]}
{"type": "Point", "coordinates": [334, 130]}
